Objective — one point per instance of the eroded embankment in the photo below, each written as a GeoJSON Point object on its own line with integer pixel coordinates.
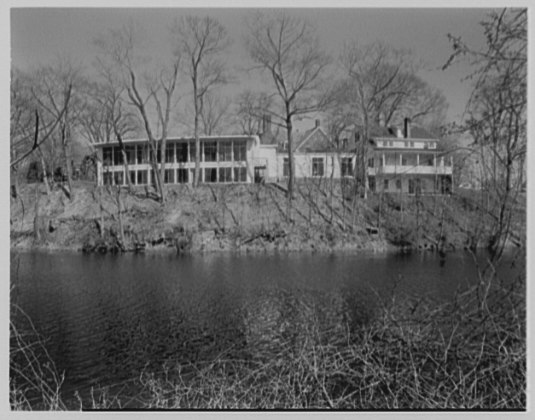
{"type": "Point", "coordinates": [245, 218]}
{"type": "Point", "coordinates": [209, 218]}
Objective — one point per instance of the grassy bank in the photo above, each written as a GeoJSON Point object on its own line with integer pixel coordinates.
{"type": "Point", "coordinates": [409, 353]}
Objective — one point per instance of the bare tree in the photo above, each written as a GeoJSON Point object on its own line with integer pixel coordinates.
{"type": "Point", "coordinates": [287, 48]}
{"type": "Point", "coordinates": [214, 113]}
{"type": "Point", "coordinates": [250, 109]}
{"type": "Point", "coordinates": [55, 90]}
{"type": "Point", "coordinates": [106, 116]}
{"type": "Point", "coordinates": [497, 111]}
{"type": "Point", "coordinates": [154, 97]}
{"type": "Point", "coordinates": [201, 41]}
{"type": "Point", "coordinates": [342, 114]}
{"type": "Point", "coordinates": [215, 116]}
{"type": "Point", "coordinates": [384, 88]}
{"type": "Point", "coordinates": [23, 120]}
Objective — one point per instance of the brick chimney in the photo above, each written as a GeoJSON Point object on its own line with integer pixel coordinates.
{"type": "Point", "coordinates": [407, 128]}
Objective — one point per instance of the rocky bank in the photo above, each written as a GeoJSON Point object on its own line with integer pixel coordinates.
{"type": "Point", "coordinates": [242, 218]}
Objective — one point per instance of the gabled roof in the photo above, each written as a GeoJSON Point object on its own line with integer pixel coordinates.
{"type": "Point", "coordinates": [313, 140]}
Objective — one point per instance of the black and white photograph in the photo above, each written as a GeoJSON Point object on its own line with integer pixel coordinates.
{"type": "Point", "coordinates": [267, 207]}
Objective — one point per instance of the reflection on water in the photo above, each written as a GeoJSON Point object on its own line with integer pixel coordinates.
{"type": "Point", "coordinates": [107, 318]}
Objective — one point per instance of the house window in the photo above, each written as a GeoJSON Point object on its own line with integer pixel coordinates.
{"type": "Point", "coordinates": [117, 156]}
{"type": "Point", "coordinates": [404, 161]}
{"type": "Point", "coordinates": [385, 184]}
{"type": "Point", "coordinates": [390, 143]}
{"type": "Point", "coordinates": [169, 176]}
{"type": "Point", "coordinates": [225, 151]}
{"type": "Point", "coordinates": [210, 151]}
{"type": "Point", "coordinates": [210, 174]}
{"type": "Point", "coordinates": [411, 186]}
{"type": "Point", "coordinates": [317, 166]}
{"type": "Point", "coordinates": [239, 148]}
{"type": "Point", "coordinates": [240, 174]}
{"type": "Point", "coordinates": [118, 178]}
{"type": "Point", "coordinates": [370, 163]}
{"type": "Point", "coordinates": [285, 167]}
{"type": "Point", "coordinates": [182, 175]}
{"type": "Point", "coordinates": [133, 177]}
{"type": "Point", "coordinates": [130, 154]}
{"type": "Point", "coordinates": [141, 177]}
{"type": "Point", "coordinates": [107, 155]}
{"type": "Point", "coordinates": [344, 143]}
{"type": "Point", "coordinates": [182, 152]}
{"type": "Point", "coordinates": [448, 162]}
{"type": "Point", "coordinates": [225, 174]}
{"type": "Point", "coordinates": [170, 153]}
{"type": "Point", "coordinates": [398, 184]}
{"type": "Point", "coordinates": [347, 167]}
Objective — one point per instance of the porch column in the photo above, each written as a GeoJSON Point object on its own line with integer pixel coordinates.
{"type": "Point", "coordinates": [99, 172]}
{"type": "Point", "coordinates": [418, 159]}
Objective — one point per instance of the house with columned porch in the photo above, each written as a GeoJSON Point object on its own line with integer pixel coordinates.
{"type": "Point", "coordinates": [401, 160]}
{"type": "Point", "coordinates": [408, 160]}
{"type": "Point", "coordinates": [224, 159]}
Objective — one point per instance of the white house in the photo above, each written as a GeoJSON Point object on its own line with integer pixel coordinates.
{"type": "Point", "coordinates": [315, 155]}
{"type": "Point", "coordinates": [408, 161]}
{"type": "Point", "coordinates": [404, 161]}
{"type": "Point", "coordinates": [224, 159]}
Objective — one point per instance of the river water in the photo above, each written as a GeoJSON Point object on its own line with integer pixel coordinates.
{"type": "Point", "coordinates": [105, 318]}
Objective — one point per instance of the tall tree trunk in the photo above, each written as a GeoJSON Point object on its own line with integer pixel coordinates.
{"type": "Point", "coordinates": [65, 134]}
{"type": "Point", "coordinates": [156, 170]}
{"type": "Point", "coordinates": [37, 218]}
{"type": "Point", "coordinates": [125, 159]}
{"type": "Point", "coordinates": [196, 133]}
{"type": "Point", "coordinates": [291, 166]}
{"type": "Point", "coordinates": [365, 158]}
{"type": "Point", "coordinates": [163, 145]}
{"type": "Point", "coordinates": [45, 172]}
{"type": "Point", "coordinates": [120, 219]}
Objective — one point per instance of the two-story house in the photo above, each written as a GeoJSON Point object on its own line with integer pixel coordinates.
{"type": "Point", "coordinates": [407, 160]}
{"type": "Point", "coordinates": [400, 160]}
{"type": "Point", "coordinates": [224, 159]}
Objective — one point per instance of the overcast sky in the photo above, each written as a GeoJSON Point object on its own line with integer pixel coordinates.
{"type": "Point", "coordinates": [37, 34]}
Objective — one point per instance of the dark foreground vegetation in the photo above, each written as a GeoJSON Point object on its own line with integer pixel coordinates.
{"type": "Point", "coordinates": [406, 353]}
